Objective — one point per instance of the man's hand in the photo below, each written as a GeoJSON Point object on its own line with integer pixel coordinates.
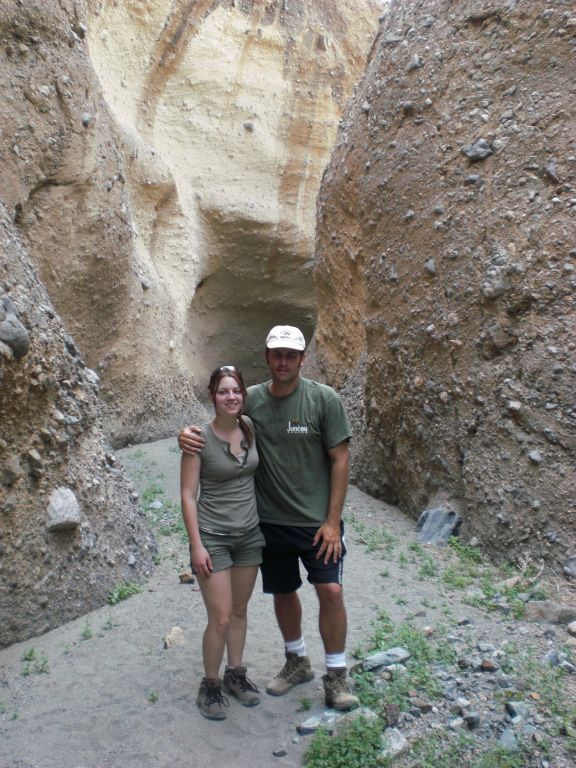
{"type": "Point", "coordinates": [331, 546]}
{"type": "Point", "coordinates": [191, 440]}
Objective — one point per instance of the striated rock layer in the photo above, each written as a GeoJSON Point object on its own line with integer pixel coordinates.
{"type": "Point", "coordinates": [226, 114]}
{"type": "Point", "coordinates": [446, 240]}
{"type": "Point", "coordinates": [63, 183]}
{"type": "Point", "coordinates": [70, 528]}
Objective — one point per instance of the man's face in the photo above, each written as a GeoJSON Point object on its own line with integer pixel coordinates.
{"type": "Point", "coordinates": [284, 364]}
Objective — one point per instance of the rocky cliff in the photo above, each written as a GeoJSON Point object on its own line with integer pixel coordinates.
{"type": "Point", "coordinates": [446, 268]}
{"type": "Point", "coordinates": [70, 525]}
{"type": "Point", "coordinates": [226, 114]}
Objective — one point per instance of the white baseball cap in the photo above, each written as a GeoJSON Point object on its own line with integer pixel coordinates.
{"type": "Point", "coordinates": [285, 337]}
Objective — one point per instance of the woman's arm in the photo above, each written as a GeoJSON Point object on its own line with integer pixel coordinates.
{"type": "Point", "coordinates": [189, 482]}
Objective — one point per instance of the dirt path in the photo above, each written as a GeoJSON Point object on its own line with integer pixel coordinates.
{"type": "Point", "coordinates": [111, 696]}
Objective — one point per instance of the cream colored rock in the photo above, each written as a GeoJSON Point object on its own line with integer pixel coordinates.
{"type": "Point", "coordinates": [227, 114]}
{"type": "Point", "coordinates": [174, 637]}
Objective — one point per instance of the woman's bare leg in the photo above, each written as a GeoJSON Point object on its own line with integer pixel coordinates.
{"type": "Point", "coordinates": [242, 580]}
{"type": "Point", "coordinates": [217, 594]}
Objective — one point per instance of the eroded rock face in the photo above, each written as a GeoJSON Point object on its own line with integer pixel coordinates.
{"type": "Point", "coordinates": [446, 241]}
{"type": "Point", "coordinates": [69, 527]}
{"type": "Point", "coordinates": [171, 217]}
{"type": "Point", "coordinates": [169, 199]}
{"type": "Point", "coordinates": [227, 113]}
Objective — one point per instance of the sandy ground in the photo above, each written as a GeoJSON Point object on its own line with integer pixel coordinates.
{"type": "Point", "coordinates": [113, 697]}
{"type": "Point", "coordinates": [95, 706]}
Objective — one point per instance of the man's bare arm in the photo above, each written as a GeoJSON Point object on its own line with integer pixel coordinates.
{"type": "Point", "coordinates": [191, 440]}
{"type": "Point", "coordinates": [329, 531]}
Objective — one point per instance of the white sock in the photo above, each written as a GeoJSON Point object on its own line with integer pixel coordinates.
{"type": "Point", "coordinates": [336, 660]}
{"type": "Point", "coordinates": [296, 646]}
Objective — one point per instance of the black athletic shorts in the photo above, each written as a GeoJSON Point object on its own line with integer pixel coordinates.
{"type": "Point", "coordinates": [285, 546]}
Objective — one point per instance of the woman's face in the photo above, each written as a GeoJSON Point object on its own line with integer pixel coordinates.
{"type": "Point", "coordinates": [228, 398]}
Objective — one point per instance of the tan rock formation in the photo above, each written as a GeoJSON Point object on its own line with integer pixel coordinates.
{"type": "Point", "coordinates": [69, 526]}
{"type": "Point", "coordinates": [226, 114]}
{"type": "Point", "coordinates": [446, 241]}
{"type": "Point", "coordinates": [63, 179]}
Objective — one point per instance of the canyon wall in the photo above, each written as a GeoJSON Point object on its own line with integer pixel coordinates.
{"type": "Point", "coordinates": [224, 116]}
{"type": "Point", "coordinates": [162, 161]}
{"type": "Point", "coordinates": [70, 524]}
{"type": "Point", "coordinates": [446, 269]}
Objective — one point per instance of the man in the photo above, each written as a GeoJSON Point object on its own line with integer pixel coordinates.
{"type": "Point", "coordinates": [302, 434]}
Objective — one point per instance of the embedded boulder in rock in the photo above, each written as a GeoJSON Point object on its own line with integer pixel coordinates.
{"type": "Point", "coordinates": [446, 269]}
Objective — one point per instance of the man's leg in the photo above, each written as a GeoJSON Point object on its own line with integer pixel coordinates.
{"type": "Point", "coordinates": [333, 626]}
{"type": "Point", "coordinates": [289, 615]}
{"type": "Point", "coordinates": [297, 668]}
{"type": "Point", "coordinates": [332, 617]}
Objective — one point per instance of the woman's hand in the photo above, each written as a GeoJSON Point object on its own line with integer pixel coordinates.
{"type": "Point", "coordinates": [201, 561]}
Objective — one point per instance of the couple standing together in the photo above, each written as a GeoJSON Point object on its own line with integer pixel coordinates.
{"type": "Point", "coordinates": [284, 444]}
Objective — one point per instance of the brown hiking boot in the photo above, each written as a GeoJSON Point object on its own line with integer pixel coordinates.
{"type": "Point", "coordinates": [211, 702]}
{"type": "Point", "coordinates": [296, 670]}
{"type": "Point", "coordinates": [237, 684]}
{"type": "Point", "coordinates": [337, 691]}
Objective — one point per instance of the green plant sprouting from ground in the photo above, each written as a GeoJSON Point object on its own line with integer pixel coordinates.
{"type": "Point", "coordinates": [360, 743]}
{"type": "Point", "coordinates": [34, 664]}
{"type": "Point", "coordinates": [357, 746]}
{"type": "Point", "coordinates": [166, 519]}
{"type": "Point", "coordinates": [122, 591]}
{"type": "Point", "coordinates": [109, 624]}
{"type": "Point", "coordinates": [455, 750]}
{"type": "Point", "coordinates": [87, 633]}
{"type": "Point", "coordinates": [424, 652]}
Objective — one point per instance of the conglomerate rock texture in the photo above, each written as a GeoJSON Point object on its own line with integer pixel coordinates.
{"type": "Point", "coordinates": [446, 268]}
{"type": "Point", "coordinates": [70, 528]}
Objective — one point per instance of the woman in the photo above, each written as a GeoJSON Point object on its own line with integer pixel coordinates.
{"type": "Point", "coordinates": [225, 539]}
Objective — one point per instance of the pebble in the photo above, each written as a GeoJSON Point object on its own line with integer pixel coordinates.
{"type": "Point", "coordinates": [63, 510]}
{"type": "Point", "coordinates": [324, 720]}
{"type": "Point", "coordinates": [386, 658]}
{"type": "Point", "coordinates": [478, 151]}
{"type": "Point", "coordinates": [486, 647]}
{"type": "Point", "coordinates": [174, 637]}
{"type": "Point", "coordinates": [535, 457]}
{"type": "Point", "coordinates": [472, 719]}
{"type": "Point", "coordinates": [507, 739]}
{"type": "Point", "coordinates": [518, 710]}
{"type": "Point", "coordinates": [394, 743]}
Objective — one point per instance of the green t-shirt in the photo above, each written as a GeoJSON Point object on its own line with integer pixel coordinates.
{"type": "Point", "coordinates": [294, 435]}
